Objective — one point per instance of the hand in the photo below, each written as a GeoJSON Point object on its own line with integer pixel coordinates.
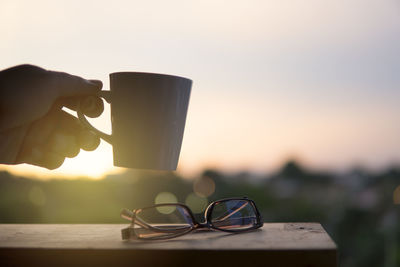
{"type": "Point", "coordinates": [33, 127]}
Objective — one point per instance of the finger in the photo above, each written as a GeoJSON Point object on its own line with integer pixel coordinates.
{"type": "Point", "coordinates": [91, 106]}
{"type": "Point", "coordinates": [51, 160]}
{"type": "Point", "coordinates": [97, 82]}
{"type": "Point", "coordinates": [32, 155]}
{"type": "Point", "coordinates": [39, 157]}
{"type": "Point", "coordinates": [71, 85]}
{"type": "Point", "coordinates": [40, 132]}
{"type": "Point", "coordinates": [88, 141]}
{"type": "Point", "coordinates": [63, 144]}
{"type": "Point", "coordinates": [70, 126]}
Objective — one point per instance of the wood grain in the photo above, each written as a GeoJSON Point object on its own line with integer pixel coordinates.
{"type": "Point", "coordinates": [276, 244]}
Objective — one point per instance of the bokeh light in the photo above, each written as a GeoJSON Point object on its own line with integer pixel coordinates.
{"type": "Point", "coordinates": [165, 197]}
{"type": "Point", "coordinates": [204, 186]}
{"type": "Point", "coordinates": [37, 196]}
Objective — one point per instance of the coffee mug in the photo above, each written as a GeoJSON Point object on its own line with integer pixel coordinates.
{"type": "Point", "coordinates": [148, 114]}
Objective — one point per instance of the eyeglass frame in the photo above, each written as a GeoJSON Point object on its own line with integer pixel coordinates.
{"type": "Point", "coordinates": [129, 232]}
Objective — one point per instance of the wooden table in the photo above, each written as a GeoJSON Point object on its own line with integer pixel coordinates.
{"type": "Point", "coordinates": [276, 244]}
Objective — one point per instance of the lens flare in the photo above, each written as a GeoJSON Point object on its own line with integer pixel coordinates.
{"type": "Point", "coordinates": [204, 186]}
{"type": "Point", "coordinates": [165, 197]}
{"type": "Point", "coordinates": [37, 196]}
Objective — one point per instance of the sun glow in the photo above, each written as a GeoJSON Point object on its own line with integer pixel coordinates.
{"type": "Point", "coordinates": [95, 164]}
{"type": "Point", "coordinates": [272, 79]}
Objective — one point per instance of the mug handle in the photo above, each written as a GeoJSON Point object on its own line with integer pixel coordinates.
{"type": "Point", "coordinates": [106, 95]}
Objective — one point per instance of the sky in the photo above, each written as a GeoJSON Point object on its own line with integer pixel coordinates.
{"type": "Point", "coordinates": [317, 81]}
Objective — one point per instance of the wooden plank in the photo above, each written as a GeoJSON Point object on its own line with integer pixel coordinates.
{"type": "Point", "coordinates": [276, 244]}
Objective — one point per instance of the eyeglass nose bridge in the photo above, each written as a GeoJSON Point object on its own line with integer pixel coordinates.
{"type": "Point", "coordinates": [202, 226]}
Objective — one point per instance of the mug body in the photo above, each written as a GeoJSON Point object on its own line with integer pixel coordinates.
{"type": "Point", "coordinates": [148, 114]}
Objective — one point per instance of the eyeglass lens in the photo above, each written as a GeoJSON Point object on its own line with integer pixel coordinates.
{"type": "Point", "coordinates": [233, 215]}
{"type": "Point", "coordinates": [171, 220]}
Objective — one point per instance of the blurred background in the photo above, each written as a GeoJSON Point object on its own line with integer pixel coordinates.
{"type": "Point", "coordinates": [295, 104]}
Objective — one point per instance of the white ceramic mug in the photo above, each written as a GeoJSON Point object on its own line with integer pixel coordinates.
{"type": "Point", "coordinates": [148, 114]}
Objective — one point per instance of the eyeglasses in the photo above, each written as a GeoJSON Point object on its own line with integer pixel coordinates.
{"type": "Point", "coordinates": [164, 221]}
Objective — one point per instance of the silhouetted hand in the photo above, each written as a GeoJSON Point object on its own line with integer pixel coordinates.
{"type": "Point", "coordinates": [33, 128]}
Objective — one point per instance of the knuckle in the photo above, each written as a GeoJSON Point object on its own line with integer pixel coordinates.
{"type": "Point", "coordinates": [88, 140]}
{"type": "Point", "coordinates": [92, 106]}
{"type": "Point", "coordinates": [53, 161]}
{"type": "Point", "coordinates": [30, 68]}
{"type": "Point", "coordinates": [73, 151]}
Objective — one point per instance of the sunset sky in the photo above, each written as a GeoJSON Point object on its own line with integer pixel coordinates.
{"type": "Point", "coordinates": [314, 80]}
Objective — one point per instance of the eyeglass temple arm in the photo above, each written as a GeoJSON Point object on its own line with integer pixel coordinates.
{"type": "Point", "coordinates": [127, 214]}
{"type": "Point", "coordinates": [128, 232]}
{"type": "Point", "coordinates": [130, 216]}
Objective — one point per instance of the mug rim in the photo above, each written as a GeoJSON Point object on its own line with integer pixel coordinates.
{"type": "Point", "coordinates": [149, 73]}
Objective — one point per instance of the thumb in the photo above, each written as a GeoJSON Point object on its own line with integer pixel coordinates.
{"type": "Point", "coordinates": [70, 85]}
